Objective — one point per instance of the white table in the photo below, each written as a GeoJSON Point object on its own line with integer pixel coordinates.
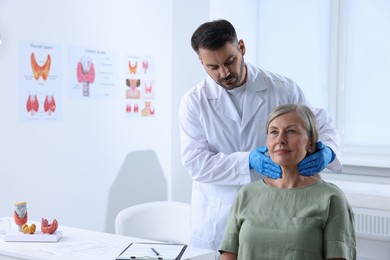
{"type": "Point", "coordinates": [81, 244]}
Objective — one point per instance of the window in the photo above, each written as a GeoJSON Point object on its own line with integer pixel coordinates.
{"type": "Point", "coordinates": [363, 111]}
{"type": "Point", "coordinates": [294, 41]}
{"type": "Point", "coordinates": [338, 52]}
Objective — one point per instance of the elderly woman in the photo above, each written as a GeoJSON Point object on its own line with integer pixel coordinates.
{"type": "Point", "coordinates": [296, 216]}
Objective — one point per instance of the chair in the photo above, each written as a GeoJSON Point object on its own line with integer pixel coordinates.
{"type": "Point", "coordinates": [132, 185]}
{"type": "Point", "coordinates": [165, 221]}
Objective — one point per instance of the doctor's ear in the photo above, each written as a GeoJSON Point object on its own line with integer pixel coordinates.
{"type": "Point", "coordinates": [241, 46]}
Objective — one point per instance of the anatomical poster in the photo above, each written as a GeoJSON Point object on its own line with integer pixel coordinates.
{"type": "Point", "coordinates": [140, 86]}
{"type": "Point", "coordinates": [40, 85]}
{"type": "Point", "coordinates": [92, 73]}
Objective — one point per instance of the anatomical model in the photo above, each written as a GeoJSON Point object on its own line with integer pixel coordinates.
{"type": "Point", "coordinates": [20, 214]}
{"type": "Point", "coordinates": [49, 228]}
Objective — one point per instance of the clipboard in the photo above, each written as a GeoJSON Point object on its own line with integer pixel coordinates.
{"type": "Point", "coordinates": [163, 251]}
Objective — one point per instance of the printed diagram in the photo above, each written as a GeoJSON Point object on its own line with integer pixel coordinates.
{"type": "Point", "coordinates": [133, 68]}
{"type": "Point", "coordinates": [140, 87]}
{"type": "Point", "coordinates": [40, 71]}
{"type": "Point", "coordinates": [147, 110]}
{"type": "Point", "coordinates": [32, 104]}
{"type": "Point", "coordinates": [145, 66]}
{"type": "Point", "coordinates": [133, 91]}
{"type": "Point", "coordinates": [40, 96]}
{"type": "Point", "coordinates": [92, 73]}
{"type": "Point", "coordinates": [85, 73]}
{"type": "Point", "coordinates": [49, 105]}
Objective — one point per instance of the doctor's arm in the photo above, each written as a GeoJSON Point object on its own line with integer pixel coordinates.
{"type": "Point", "coordinates": [200, 160]}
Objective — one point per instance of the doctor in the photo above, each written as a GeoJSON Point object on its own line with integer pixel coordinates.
{"type": "Point", "coordinates": [222, 122]}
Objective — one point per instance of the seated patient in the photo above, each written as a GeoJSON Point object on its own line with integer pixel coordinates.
{"type": "Point", "coordinates": [294, 217]}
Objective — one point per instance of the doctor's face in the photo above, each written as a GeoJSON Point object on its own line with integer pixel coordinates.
{"type": "Point", "coordinates": [225, 65]}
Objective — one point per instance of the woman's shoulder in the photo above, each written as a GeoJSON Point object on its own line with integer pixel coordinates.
{"type": "Point", "coordinates": [330, 189]}
{"type": "Point", "coordinates": [328, 185]}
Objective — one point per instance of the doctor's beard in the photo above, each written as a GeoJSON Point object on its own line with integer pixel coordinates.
{"type": "Point", "coordinates": [238, 77]}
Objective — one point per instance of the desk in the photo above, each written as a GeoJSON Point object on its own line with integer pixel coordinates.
{"type": "Point", "coordinates": [100, 245]}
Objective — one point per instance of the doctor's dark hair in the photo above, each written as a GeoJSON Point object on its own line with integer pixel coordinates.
{"type": "Point", "coordinates": [213, 35]}
{"type": "Point", "coordinates": [304, 114]}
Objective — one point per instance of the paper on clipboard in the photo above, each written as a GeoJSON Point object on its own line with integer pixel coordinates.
{"type": "Point", "coordinates": [163, 251]}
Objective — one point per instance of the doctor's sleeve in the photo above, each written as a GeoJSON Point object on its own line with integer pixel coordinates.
{"type": "Point", "coordinates": [330, 137]}
{"type": "Point", "coordinates": [203, 164]}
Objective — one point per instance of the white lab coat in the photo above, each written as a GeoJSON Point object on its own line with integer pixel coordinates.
{"type": "Point", "coordinates": [215, 144]}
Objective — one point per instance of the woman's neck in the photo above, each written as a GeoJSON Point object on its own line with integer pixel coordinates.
{"type": "Point", "coordinates": [291, 179]}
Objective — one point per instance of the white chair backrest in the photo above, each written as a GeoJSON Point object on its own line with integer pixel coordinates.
{"type": "Point", "coordinates": [166, 221]}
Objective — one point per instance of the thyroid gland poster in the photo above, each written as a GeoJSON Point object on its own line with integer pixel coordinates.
{"type": "Point", "coordinates": [140, 86]}
{"type": "Point", "coordinates": [40, 85]}
{"type": "Point", "coordinates": [92, 73]}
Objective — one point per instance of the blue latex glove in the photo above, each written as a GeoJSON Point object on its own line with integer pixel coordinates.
{"type": "Point", "coordinates": [317, 161]}
{"type": "Point", "coordinates": [262, 163]}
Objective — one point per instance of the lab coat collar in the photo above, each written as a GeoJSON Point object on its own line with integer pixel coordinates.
{"type": "Point", "coordinates": [223, 103]}
{"type": "Point", "coordinates": [253, 82]}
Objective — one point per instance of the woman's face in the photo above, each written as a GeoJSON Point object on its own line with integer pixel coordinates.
{"type": "Point", "coordinates": [287, 140]}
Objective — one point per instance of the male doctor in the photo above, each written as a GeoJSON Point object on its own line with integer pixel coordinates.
{"type": "Point", "coordinates": [222, 129]}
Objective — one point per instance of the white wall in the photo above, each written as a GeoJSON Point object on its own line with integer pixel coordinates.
{"type": "Point", "coordinates": [65, 169]}
{"type": "Point", "coordinates": [186, 72]}
{"type": "Point", "coordinates": [83, 163]}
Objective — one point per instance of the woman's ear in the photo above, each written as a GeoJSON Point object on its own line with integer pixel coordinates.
{"type": "Point", "coordinates": [310, 148]}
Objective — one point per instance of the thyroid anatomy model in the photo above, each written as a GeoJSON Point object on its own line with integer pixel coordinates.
{"type": "Point", "coordinates": [85, 73]}
{"type": "Point", "coordinates": [40, 71]}
{"type": "Point", "coordinates": [20, 214]}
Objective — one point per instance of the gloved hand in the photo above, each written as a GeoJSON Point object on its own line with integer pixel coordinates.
{"type": "Point", "coordinates": [317, 161]}
{"type": "Point", "coordinates": [263, 163]}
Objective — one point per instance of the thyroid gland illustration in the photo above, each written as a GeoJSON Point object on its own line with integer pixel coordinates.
{"type": "Point", "coordinates": [133, 68]}
{"type": "Point", "coordinates": [145, 65]}
{"type": "Point", "coordinates": [49, 105]}
{"type": "Point", "coordinates": [147, 110]}
{"type": "Point", "coordinates": [32, 104]}
{"type": "Point", "coordinates": [132, 109]}
{"type": "Point", "coordinates": [85, 73]}
{"type": "Point", "coordinates": [40, 71]}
